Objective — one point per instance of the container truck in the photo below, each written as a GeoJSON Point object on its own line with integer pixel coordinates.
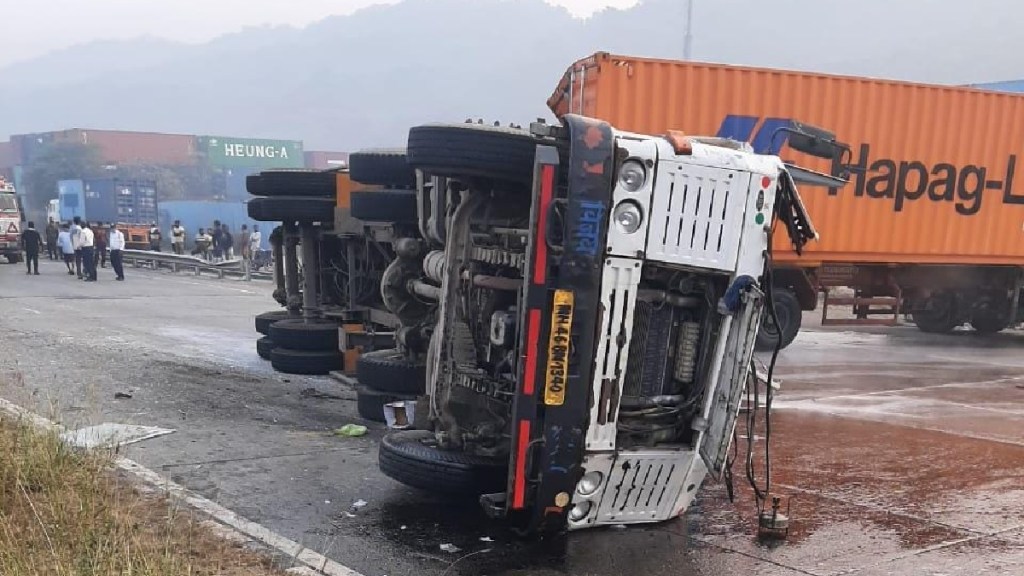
{"type": "Point", "coordinates": [132, 204]}
{"type": "Point", "coordinates": [10, 222]}
{"type": "Point", "coordinates": [931, 226]}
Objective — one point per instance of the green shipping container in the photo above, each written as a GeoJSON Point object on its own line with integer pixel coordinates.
{"type": "Point", "coordinates": [249, 152]}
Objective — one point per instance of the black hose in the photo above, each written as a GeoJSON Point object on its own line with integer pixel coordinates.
{"type": "Point", "coordinates": [769, 291]}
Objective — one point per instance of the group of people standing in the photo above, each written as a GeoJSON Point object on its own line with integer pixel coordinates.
{"type": "Point", "coordinates": [217, 244]}
{"type": "Point", "coordinates": [82, 245]}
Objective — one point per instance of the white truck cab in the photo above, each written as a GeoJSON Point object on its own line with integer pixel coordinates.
{"type": "Point", "coordinates": [599, 294]}
{"type": "Point", "coordinates": [10, 222]}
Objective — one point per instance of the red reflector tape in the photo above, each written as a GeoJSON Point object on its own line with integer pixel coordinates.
{"type": "Point", "coordinates": [519, 480]}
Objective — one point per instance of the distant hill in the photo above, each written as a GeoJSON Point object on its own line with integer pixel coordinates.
{"type": "Point", "coordinates": [361, 80]}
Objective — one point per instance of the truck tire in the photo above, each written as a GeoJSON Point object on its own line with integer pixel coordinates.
{"type": "Point", "coordinates": [382, 168]}
{"type": "Point", "coordinates": [264, 346]}
{"type": "Point", "coordinates": [304, 362]}
{"type": "Point", "coordinates": [293, 182]}
{"type": "Point", "coordinates": [263, 321]}
{"type": "Point", "coordinates": [385, 206]}
{"type": "Point", "coordinates": [411, 458]}
{"type": "Point", "coordinates": [790, 314]}
{"type": "Point", "coordinates": [933, 323]}
{"type": "Point", "coordinates": [370, 403]}
{"type": "Point", "coordinates": [989, 324]}
{"type": "Point", "coordinates": [458, 150]}
{"type": "Point", "coordinates": [291, 209]}
{"type": "Point", "coordinates": [298, 334]}
{"type": "Point", "coordinates": [935, 315]}
{"type": "Point", "coordinates": [390, 371]}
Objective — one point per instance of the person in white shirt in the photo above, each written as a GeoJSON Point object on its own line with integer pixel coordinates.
{"type": "Point", "coordinates": [76, 243]}
{"type": "Point", "coordinates": [88, 242]}
{"type": "Point", "coordinates": [178, 237]}
{"type": "Point", "coordinates": [116, 242]}
{"type": "Point", "coordinates": [67, 248]}
{"type": "Point", "coordinates": [255, 239]}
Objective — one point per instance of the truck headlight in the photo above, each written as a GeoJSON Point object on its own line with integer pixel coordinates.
{"type": "Point", "coordinates": [580, 510]}
{"type": "Point", "coordinates": [628, 216]}
{"type": "Point", "coordinates": [589, 484]}
{"type": "Point", "coordinates": [632, 175]}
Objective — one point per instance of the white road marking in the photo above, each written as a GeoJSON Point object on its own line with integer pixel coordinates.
{"type": "Point", "coordinates": [318, 563]}
{"type": "Point", "coordinates": [32, 311]}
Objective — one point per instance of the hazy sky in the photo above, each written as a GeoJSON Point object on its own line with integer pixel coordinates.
{"type": "Point", "coordinates": [34, 27]}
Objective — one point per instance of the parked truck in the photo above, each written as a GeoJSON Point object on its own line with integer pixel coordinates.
{"type": "Point", "coordinates": [132, 204]}
{"type": "Point", "coordinates": [10, 222]}
{"type": "Point", "coordinates": [931, 226]}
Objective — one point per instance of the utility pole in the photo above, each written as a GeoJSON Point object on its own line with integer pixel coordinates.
{"type": "Point", "coordinates": [688, 39]}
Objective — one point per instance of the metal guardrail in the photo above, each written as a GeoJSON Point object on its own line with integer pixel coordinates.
{"type": "Point", "coordinates": [177, 263]}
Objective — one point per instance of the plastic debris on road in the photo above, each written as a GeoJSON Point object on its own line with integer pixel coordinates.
{"type": "Point", "coordinates": [359, 504]}
{"type": "Point", "coordinates": [450, 548]}
{"type": "Point", "coordinates": [351, 430]}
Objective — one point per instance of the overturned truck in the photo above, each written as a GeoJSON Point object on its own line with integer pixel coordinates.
{"type": "Point", "coordinates": [595, 298]}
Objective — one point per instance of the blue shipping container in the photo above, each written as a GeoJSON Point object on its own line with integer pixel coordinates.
{"type": "Point", "coordinates": [196, 214]}
{"type": "Point", "coordinates": [108, 200]}
{"type": "Point", "coordinates": [71, 199]}
{"type": "Point", "coordinates": [1013, 86]}
{"type": "Point", "coordinates": [234, 183]}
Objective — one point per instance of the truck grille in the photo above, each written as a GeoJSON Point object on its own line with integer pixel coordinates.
{"type": "Point", "coordinates": [649, 352]}
{"type": "Point", "coordinates": [642, 487]}
{"type": "Point", "coordinates": [696, 215]}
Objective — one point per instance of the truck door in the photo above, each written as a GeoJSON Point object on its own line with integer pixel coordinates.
{"type": "Point", "coordinates": [729, 376]}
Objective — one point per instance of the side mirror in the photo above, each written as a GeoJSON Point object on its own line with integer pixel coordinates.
{"type": "Point", "coordinates": [815, 141]}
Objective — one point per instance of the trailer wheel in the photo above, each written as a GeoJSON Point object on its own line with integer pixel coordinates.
{"type": "Point", "coordinates": [382, 168]}
{"type": "Point", "coordinates": [293, 182]}
{"type": "Point", "coordinates": [390, 371]}
{"type": "Point", "coordinates": [935, 315]}
{"type": "Point", "coordinates": [459, 150]}
{"type": "Point", "coordinates": [384, 205]}
{"type": "Point", "coordinates": [291, 209]}
{"type": "Point", "coordinates": [264, 346]}
{"type": "Point", "coordinates": [413, 458]}
{"type": "Point", "coordinates": [933, 323]}
{"type": "Point", "coordinates": [370, 403]}
{"type": "Point", "coordinates": [298, 334]}
{"type": "Point", "coordinates": [790, 314]}
{"type": "Point", "coordinates": [304, 362]}
{"type": "Point", "coordinates": [263, 321]}
{"type": "Point", "coordinates": [990, 323]}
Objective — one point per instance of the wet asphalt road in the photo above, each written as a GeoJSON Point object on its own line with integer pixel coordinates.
{"type": "Point", "coordinates": [896, 453]}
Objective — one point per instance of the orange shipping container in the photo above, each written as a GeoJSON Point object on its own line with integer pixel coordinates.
{"type": "Point", "coordinates": [939, 184]}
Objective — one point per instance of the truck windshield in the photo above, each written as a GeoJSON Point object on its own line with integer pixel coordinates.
{"type": "Point", "coordinates": [8, 203]}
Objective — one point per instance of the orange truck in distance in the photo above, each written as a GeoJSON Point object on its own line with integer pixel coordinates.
{"type": "Point", "coordinates": [931, 223]}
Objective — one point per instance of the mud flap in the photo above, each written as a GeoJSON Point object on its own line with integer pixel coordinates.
{"type": "Point", "coordinates": [733, 355]}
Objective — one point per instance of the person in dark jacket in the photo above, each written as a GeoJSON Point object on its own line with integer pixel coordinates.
{"type": "Point", "coordinates": [218, 242]}
{"type": "Point", "coordinates": [31, 243]}
{"type": "Point", "coordinates": [101, 245]}
{"type": "Point", "coordinates": [227, 242]}
{"type": "Point", "coordinates": [52, 232]}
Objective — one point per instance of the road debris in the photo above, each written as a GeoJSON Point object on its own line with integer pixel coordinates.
{"type": "Point", "coordinates": [122, 396]}
{"type": "Point", "coordinates": [314, 393]}
{"type": "Point", "coordinates": [351, 430]}
{"type": "Point", "coordinates": [450, 548]}
{"type": "Point", "coordinates": [359, 504]}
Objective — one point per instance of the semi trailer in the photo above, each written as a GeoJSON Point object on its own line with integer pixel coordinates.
{"type": "Point", "coordinates": [931, 227]}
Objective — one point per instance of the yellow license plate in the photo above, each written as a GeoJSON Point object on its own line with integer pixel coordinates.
{"type": "Point", "coordinates": [557, 376]}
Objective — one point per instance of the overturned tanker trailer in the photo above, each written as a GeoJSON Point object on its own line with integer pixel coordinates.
{"type": "Point", "coordinates": [599, 293]}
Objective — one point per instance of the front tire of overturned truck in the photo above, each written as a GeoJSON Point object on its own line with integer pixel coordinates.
{"type": "Point", "coordinates": [790, 314]}
{"type": "Point", "coordinates": [412, 458]}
